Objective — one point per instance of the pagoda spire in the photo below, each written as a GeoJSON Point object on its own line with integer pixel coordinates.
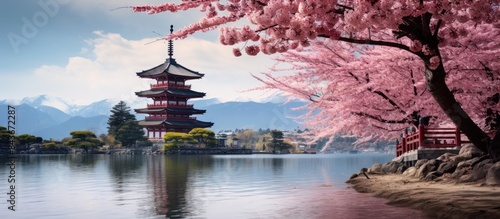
{"type": "Point", "coordinates": [171, 44]}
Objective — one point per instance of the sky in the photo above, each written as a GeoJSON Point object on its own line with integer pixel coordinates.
{"type": "Point", "coordinates": [89, 50]}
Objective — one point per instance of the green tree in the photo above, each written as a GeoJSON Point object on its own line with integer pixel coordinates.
{"type": "Point", "coordinates": [26, 139]}
{"type": "Point", "coordinates": [129, 133]}
{"type": "Point", "coordinates": [51, 145]}
{"type": "Point", "coordinates": [204, 136]}
{"type": "Point", "coordinates": [84, 139]}
{"type": "Point", "coordinates": [276, 141]}
{"type": "Point", "coordinates": [176, 139]}
{"type": "Point", "coordinates": [5, 135]}
{"type": "Point", "coordinates": [120, 114]}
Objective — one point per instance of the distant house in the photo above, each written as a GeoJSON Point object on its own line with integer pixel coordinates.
{"type": "Point", "coordinates": [226, 139]}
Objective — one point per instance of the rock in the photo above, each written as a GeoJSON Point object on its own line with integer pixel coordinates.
{"type": "Point", "coordinates": [433, 175]}
{"type": "Point", "coordinates": [353, 176]}
{"type": "Point", "coordinates": [493, 175]}
{"type": "Point", "coordinates": [467, 163]}
{"type": "Point", "coordinates": [468, 151]}
{"type": "Point", "coordinates": [428, 167]}
{"type": "Point", "coordinates": [447, 167]}
{"type": "Point", "coordinates": [376, 168]}
{"type": "Point", "coordinates": [478, 172]}
{"type": "Point", "coordinates": [446, 157]}
{"type": "Point", "coordinates": [411, 171]}
{"type": "Point", "coordinates": [401, 169]}
{"type": "Point", "coordinates": [363, 170]}
{"type": "Point", "coordinates": [419, 163]}
{"type": "Point", "coordinates": [460, 172]}
{"type": "Point", "coordinates": [391, 167]}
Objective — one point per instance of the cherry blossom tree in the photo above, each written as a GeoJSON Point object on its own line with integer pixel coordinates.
{"type": "Point", "coordinates": [362, 99]}
{"type": "Point", "coordinates": [421, 28]}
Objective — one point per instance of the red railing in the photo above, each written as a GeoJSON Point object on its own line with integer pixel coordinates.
{"type": "Point", "coordinates": [172, 105]}
{"type": "Point", "coordinates": [169, 117]}
{"type": "Point", "coordinates": [429, 137]}
{"type": "Point", "coordinates": [174, 86]}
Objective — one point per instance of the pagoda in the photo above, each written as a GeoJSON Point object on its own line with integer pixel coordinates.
{"type": "Point", "coordinates": [169, 111]}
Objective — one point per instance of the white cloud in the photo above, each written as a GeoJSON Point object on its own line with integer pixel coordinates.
{"type": "Point", "coordinates": [114, 60]}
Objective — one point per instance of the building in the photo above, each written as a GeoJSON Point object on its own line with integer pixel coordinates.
{"type": "Point", "coordinates": [170, 111]}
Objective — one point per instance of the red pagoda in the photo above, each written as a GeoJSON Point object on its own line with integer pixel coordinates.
{"type": "Point", "coordinates": [169, 111]}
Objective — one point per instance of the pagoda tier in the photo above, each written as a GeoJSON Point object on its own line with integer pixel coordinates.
{"type": "Point", "coordinates": [187, 111]}
{"type": "Point", "coordinates": [174, 93]}
{"type": "Point", "coordinates": [170, 68]}
{"type": "Point", "coordinates": [169, 111]}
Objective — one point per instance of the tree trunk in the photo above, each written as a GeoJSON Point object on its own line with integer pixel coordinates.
{"type": "Point", "coordinates": [435, 81]}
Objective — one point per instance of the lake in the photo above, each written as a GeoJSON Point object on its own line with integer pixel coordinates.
{"type": "Point", "coordinates": [192, 186]}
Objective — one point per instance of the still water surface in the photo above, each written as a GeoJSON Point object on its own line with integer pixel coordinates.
{"type": "Point", "coordinates": [210, 186]}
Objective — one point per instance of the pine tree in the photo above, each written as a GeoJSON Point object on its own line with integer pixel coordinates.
{"type": "Point", "coordinates": [120, 114]}
{"type": "Point", "coordinates": [129, 133]}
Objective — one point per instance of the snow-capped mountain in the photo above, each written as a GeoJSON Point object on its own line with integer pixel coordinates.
{"type": "Point", "coordinates": [52, 117]}
{"type": "Point", "coordinates": [46, 100]}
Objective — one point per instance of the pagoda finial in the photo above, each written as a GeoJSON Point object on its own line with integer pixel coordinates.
{"type": "Point", "coordinates": [171, 44]}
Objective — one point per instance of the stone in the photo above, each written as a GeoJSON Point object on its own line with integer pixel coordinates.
{"type": "Point", "coordinates": [460, 172]}
{"type": "Point", "coordinates": [401, 169]}
{"type": "Point", "coordinates": [353, 176]}
{"type": "Point", "coordinates": [478, 172]}
{"type": "Point", "coordinates": [411, 171]}
{"type": "Point", "coordinates": [421, 162]}
{"type": "Point", "coordinates": [428, 167]}
{"type": "Point", "coordinates": [467, 163]}
{"type": "Point", "coordinates": [446, 156]}
{"type": "Point", "coordinates": [391, 167]}
{"type": "Point", "coordinates": [363, 170]}
{"type": "Point", "coordinates": [375, 168]}
{"type": "Point", "coordinates": [493, 175]}
{"type": "Point", "coordinates": [447, 167]}
{"type": "Point", "coordinates": [433, 176]}
{"type": "Point", "coordinates": [468, 151]}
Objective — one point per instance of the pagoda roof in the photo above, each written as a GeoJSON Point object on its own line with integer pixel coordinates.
{"type": "Point", "coordinates": [171, 110]}
{"type": "Point", "coordinates": [170, 67]}
{"type": "Point", "coordinates": [170, 91]}
{"type": "Point", "coordinates": [176, 123]}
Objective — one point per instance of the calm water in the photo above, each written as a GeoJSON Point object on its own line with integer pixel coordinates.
{"type": "Point", "coordinates": [225, 186]}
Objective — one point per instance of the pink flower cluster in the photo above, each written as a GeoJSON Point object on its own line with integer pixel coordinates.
{"type": "Point", "coordinates": [285, 22]}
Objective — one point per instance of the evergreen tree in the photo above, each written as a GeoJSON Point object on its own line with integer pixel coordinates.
{"type": "Point", "coordinates": [85, 140]}
{"type": "Point", "coordinates": [5, 136]}
{"type": "Point", "coordinates": [129, 133]}
{"type": "Point", "coordinates": [120, 114]}
{"type": "Point", "coordinates": [277, 141]}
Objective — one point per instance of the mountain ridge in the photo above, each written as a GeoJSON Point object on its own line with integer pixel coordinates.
{"type": "Point", "coordinates": [39, 115]}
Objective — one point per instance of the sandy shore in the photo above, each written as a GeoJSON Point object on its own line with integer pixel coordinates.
{"type": "Point", "coordinates": [444, 199]}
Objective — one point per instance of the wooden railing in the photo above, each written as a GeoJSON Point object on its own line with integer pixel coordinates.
{"type": "Point", "coordinates": [171, 105]}
{"type": "Point", "coordinates": [430, 137]}
{"type": "Point", "coordinates": [169, 117]}
{"type": "Point", "coordinates": [174, 86]}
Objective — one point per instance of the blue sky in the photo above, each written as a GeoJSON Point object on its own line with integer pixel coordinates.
{"type": "Point", "coordinates": [84, 51]}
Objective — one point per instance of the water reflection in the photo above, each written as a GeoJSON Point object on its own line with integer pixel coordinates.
{"type": "Point", "coordinates": [277, 164]}
{"type": "Point", "coordinates": [81, 162]}
{"type": "Point", "coordinates": [222, 186]}
{"type": "Point", "coordinates": [249, 186]}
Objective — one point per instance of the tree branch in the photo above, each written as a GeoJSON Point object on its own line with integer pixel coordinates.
{"type": "Point", "coordinates": [372, 42]}
{"type": "Point", "coordinates": [380, 119]}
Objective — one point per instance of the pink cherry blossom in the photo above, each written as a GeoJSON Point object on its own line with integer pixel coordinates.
{"type": "Point", "coordinates": [426, 31]}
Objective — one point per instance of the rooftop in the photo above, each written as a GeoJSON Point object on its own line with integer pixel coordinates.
{"type": "Point", "coordinates": [169, 91]}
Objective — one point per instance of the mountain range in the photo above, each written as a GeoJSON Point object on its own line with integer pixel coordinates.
{"type": "Point", "coordinates": [54, 118]}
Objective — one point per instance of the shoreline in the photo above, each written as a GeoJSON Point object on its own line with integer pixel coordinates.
{"type": "Point", "coordinates": [442, 199]}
